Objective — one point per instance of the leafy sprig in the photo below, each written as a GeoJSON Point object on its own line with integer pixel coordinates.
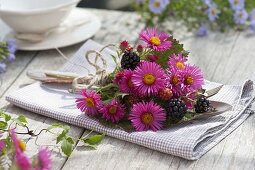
{"type": "Point", "coordinates": [66, 142]}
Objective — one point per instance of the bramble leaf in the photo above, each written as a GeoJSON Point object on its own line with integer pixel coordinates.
{"type": "Point", "coordinates": [66, 147]}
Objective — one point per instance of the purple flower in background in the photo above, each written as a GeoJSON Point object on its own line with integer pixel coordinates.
{"type": "Point", "coordinates": [158, 6]}
{"type": "Point", "coordinates": [202, 31]}
{"type": "Point", "coordinates": [237, 4]}
{"type": "Point", "coordinates": [252, 20]}
{"type": "Point", "coordinates": [11, 57]}
{"type": "Point", "coordinates": [240, 17]}
{"type": "Point", "coordinates": [11, 45]}
{"type": "Point", "coordinates": [213, 12]}
{"type": "Point", "coordinates": [2, 67]}
{"type": "Point", "coordinates": [208, 2]}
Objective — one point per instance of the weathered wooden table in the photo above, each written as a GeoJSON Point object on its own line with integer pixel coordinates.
{"type": "Point", "coordinates": [225, 58]}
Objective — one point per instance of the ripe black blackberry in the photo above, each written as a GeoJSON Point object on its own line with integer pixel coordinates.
{"type": "Point", "coordinates": [202, 105]}
{"type": "Point", "coordinates": [129, 60]}
{"type": "Point", "coordinates": [176, 108]}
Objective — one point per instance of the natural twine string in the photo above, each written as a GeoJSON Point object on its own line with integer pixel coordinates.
{"type": "Point", "coordinates": [91, 81]}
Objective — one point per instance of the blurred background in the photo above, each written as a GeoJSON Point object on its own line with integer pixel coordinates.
{"type": "Point", "coordinates": [106, 4]}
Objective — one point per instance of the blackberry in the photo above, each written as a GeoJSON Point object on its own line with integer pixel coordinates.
{"type": "Point", "coordinates": [176, 108]}
{"type": "Point", "coordinates": [129, 60]}
{"type": "Point", "coordinates": [202, 105]}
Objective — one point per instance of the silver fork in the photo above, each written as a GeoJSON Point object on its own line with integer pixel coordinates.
{"type": "Point", "coordinates": [212, 92]}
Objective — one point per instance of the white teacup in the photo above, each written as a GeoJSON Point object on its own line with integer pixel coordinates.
{"type": "Point", "coordinates": [35, 16]}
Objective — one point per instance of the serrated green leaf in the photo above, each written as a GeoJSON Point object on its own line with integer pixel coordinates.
{"type": "Point", "coordinates": [56, 125]}
{"type": "Point", "coordinates": [22, 119]}
{"type": "Point", "coordinates": [7, 117]}
{"type": "Point", "coordinates": [94, 140]}
{"type": "Point", "coordinates": [3, 125]}
{"type": "Point", "coordinates": [66, 147]}
{"type": "Point", "coordinates": [61, 136]}
{"type": "Point", "coordinates": [70, 139]}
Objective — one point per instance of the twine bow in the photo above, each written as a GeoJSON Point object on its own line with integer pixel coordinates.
{"type": "Point", "coordinates": [92, 81]}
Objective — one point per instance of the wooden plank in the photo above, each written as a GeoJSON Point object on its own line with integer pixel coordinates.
{"type": "Point", "coordinates": [44, 60]}
{"type": "Point", "coordinates": [14, 69]}
{"type": "Point", "coordinates": [52, 60]}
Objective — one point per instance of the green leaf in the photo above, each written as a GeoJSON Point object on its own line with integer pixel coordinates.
{"type": "Point", "coordinates": [21, 120]}
{"type": "Point", "coordinates": [66, 147]}
{"type": "Point", "coordinates": [54, 125]}
{"type": "Point", "coordinates": [70, 139]}
{"type": "Point", "coordinates": [94, 140]}
{"type": "Point", "coordinates": [61, 136]}
{"type": "Point", "coordinates": [3, 125]}
{"type": "Point", "coordinates": [6, 116]}
{"type": "Point", "coordinates": [57, 125]}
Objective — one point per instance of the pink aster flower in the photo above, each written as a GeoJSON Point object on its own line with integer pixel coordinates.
{"type": "Point", "coordinates": [126, 85]}
{"type": "Point", "coordinates": [89, 102]}
{"type": "Point", "coordinates": [177, 61]}
{"type": "Point", "coordinates": [148, 78]}
{"type": "Point", "coordinates": [44, 159]}
{"type": "Point", "coordinates": [113, 111]}
{"type": "Point", "coordinates": [147, 116]}
{"type": "Point", "coordinates": [155, 40]}
{"type": "Point", "coordinates": [192, 78]}
{"type": "Point", "coordinates": [118, 77]}
{"type": "Point", "coordinates": [174, 81]}
{"type": "Point", "coordinates": [21, 159]}
{"type": "Point", "coordinates": [2, 145]}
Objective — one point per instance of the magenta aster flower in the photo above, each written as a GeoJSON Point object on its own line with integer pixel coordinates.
{"type": "Point", "coordinates": [147, 116]}
{"type": "Point", "coordinates": [148, 78]}
{"type": "Point", "coordinates": [118, 77]}
{"type": "Point", "coordinates": [174, 81]}
{"type": "Point", "coordinates": [89, 102]}
{"type": "Point", "coordinates": [2, 145]}
{"type": "Point", "coordinates": [126, 85]}
{"type": "Point", "coordinates": [156, 41]}
{"type": "Point", "coordinates": [21, 159]}
{"type": "Point", "coordinates": [192, 78]}
{"type": "Point", "coordinates": [177, 61]}
{"type": "Point", "coordinates": [44, 159]}
{"type": "Point", "coordinates": [113, 111]}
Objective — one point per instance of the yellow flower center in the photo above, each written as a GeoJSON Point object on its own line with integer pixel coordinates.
{"type": "Point", "coordinates": [188, 80]}
{"type": "Point", "coordinates": [90, 102]}
{"type": "Point", "coordinates": [156, 4]}
{"type": "Point", "coordinates": [149, 79]}
{"type": "Point", "coordinates": [175, 80]}
{"type": "Point", "coordinates": [236, 2]}
{"type": "Point", "coordinates": [155, 41]}
{"type": "Point", "coordinates": [180, 65]}
{"type": "Point", "coordinates": [130, 84]}
{"type": "Point", "coordinates": [214, 11]}
{"type": "Point", "coordinates": [22, 145]}
{"type": "Point", "coordinates": [113, 109]}
{"type": "Point", "coordinates": [147, 118]}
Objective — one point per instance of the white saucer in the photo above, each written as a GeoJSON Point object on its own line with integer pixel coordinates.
{"type": "Point", "coordinates": [58, 38]}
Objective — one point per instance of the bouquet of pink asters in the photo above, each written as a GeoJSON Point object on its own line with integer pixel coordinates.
{"type": "Point", "coordinates": [151, 88]}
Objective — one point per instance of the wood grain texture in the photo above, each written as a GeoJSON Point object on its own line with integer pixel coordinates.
{"type": "Point", "coordinates": [226, 58]}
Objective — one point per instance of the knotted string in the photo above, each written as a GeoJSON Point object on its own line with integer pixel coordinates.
{"type": "Point", "coordinates": [92, 81]}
